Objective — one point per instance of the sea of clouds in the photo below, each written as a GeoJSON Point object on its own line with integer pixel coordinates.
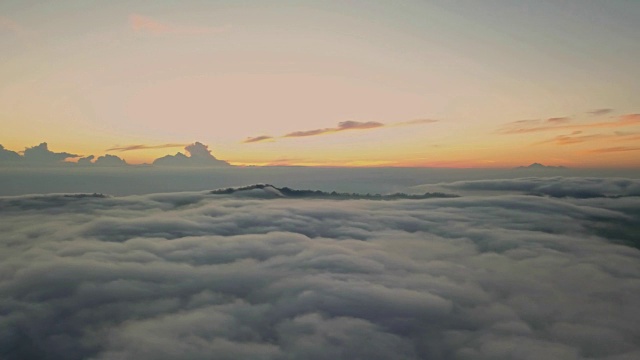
{"type": "Point", "coordinates": [195, 275]}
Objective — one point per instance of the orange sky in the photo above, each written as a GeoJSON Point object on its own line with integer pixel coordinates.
{"type": "Point", "coordinates": [423, 84]}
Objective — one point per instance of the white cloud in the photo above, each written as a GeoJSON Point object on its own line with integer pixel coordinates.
{"type": "Point", "coordinates": [193, 274]}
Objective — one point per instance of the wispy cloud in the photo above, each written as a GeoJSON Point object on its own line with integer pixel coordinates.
{"type": "Point", "coordinates": [576, 138]}
{"type": "Point", "coordinates": [615, 149]}
{"type": "Point", "coordinates": [145, 24]}
{"type": "Point", "coordinates": [522, 127]}
{"type": "Point", "coordinates": [342, 126]}
{"type": "Point", "coordinates": [600, 112]}
{"type": "Point", "coordinates": [572, 139]}
{"type": "Point", "coordinates": [144, 147]}
{"type": "Point", "coordinates": [559, 120]}
{"type": "Point", "coordinates": [415, 122]}
{"type": "Point", "coordinates": [258, 139]}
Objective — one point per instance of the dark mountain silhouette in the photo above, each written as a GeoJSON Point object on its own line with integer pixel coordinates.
{"type": "Point", "coordinates": [538, 166]}
{"type": "Point", "coordinates": [270, 191]}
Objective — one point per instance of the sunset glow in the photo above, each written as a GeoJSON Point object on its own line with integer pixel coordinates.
{"type": "Point", "coordinates": [435, 84]}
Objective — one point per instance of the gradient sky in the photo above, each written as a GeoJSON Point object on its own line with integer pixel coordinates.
{"type": "Point", "coordinates": [352, 83]}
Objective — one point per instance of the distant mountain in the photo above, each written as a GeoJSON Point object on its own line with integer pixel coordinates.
{"type": "Point", "coordinates": [270, 191]}
{"type": "Point", "coordinates": [538, 166]}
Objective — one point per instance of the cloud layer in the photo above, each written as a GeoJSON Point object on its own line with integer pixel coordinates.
{"type": "Point", "coordinates": [558, 187]}
{"type": "Point", "coordinates": [188, 275]}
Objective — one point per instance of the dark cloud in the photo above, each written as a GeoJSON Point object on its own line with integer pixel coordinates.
{"type": "Point", "coordinates": [199, 155]}
{"type": "Point", "coordinates": [8, 156]}
{"type": "Point", "coordinates": [86, 161]}
{"type": "Point", "coordinates": [258, 139]}
{"type": "Point", "coordinates": [600, 112]}
{"type": "Point", "coordinates": [109, 160]}
{"type": "Point", "coordinates": [144, 147]}
{"type": "Point", "coordinates": [41, 155]}
{"type": "Point", "coordinates": [196, 275]}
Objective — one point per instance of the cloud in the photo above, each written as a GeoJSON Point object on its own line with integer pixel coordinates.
{"type": "Point", "coordinates": [615, 149]}
{"type": "Point", "coordinates": [559, 120]}
{"type": "Point", "coordinates": [520, 127]}
{"type": "Point", "coordinates": [144, 147]}
{"type": "Point", "coordinates": [86, 161]}
{"type": "Point", "coordinates": [342, 126]}
{"type": "Point", "coordinates": [41, 155]}
{"type": "Point", "coordinates": [576, 138]}
{"type": "Point", "coordinates": [559, 187]}
{"type": "Point", "coordinates": [600, 112]}
{"type": "Point", "coordinates": [188, 275]}
{"type": "Point", "coordinates": [415, 122]}
{"type": "Point", "coordinates": [8, 156]}
{"type": "Point", "coordinates": [145, 24]}
{"type": "Point", "coordinates": [571, 139]}
{"type": "Point", "coordinates": [199, 155]}
{"type": "Point", "coordinates": [109, 160]}
{"type": "Point", "coordinates": [258, 139]}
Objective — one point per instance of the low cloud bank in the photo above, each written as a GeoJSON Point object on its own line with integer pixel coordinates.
{"type": "Point", "coordinates": [196, 275]}
{"type": "Point", "coordinates": [572, 187]}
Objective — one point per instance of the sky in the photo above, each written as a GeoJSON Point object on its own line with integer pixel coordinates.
{"type": "Point", "coordinates": [342, 83]}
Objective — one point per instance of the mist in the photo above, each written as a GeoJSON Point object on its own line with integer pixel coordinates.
{"type": "Point", "coordinates": [239, 274]}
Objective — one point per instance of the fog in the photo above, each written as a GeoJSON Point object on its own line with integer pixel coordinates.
{"type": "Point", "coordinates": [130, 180]}
{"type": "Point", "coordinates": [197, 275]}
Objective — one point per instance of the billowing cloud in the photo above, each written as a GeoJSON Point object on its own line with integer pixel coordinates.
{"type": "Point", "coordinates": [145, 147]}
{"type": "Point", "coordinates": [188, 275]}
{"type": "Point", "coordinates": [8, 156]}
{"type": "Point", "coordinates": [528, 126]}
{"type": "Point", "coordinates": [109, 160]}
{"type": "Point", "coordinates": [86, 161]}
{"type": "Point", "coordinates": [146, 24]}
{"type": "Point", "coordinates": [258, 139]}
{"type": "Point", "coordinates": [199, 155]}
{"type": "Point", "coordinates": [41, 155]}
